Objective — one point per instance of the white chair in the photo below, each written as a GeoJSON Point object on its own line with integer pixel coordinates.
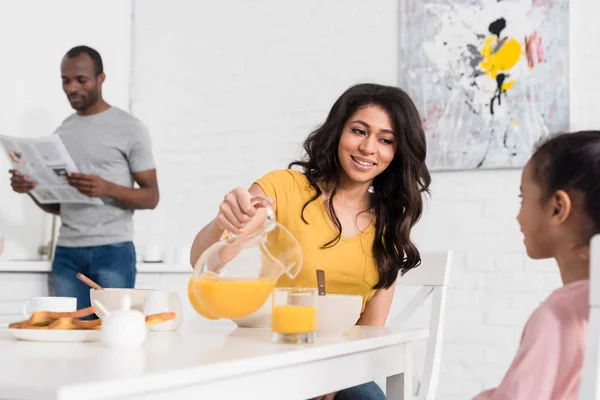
{"type": "Point", "coordinates": [589, 388]}
{"type": "Point", "coordinates": [432, 275]}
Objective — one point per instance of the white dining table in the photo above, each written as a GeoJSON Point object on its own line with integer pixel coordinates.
{"type": "Point", "coordinates": [205, 362]}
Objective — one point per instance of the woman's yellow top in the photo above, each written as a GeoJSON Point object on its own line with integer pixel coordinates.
{"type": "Point", "coordinates": [349, 265]}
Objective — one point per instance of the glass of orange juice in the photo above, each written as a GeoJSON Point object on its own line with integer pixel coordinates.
{"type": "Point", "coordinates": [294, 317]}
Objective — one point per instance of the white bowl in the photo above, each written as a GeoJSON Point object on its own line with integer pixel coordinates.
{"type": "Point", "coordinates": [337, 313]}
{"type": "Point", "coordinates": [258, 319]}
{"type": "Point", "coordinates": [112, 298]}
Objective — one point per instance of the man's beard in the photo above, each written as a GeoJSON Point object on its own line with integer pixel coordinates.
{"type": "Point", "coordinates": [86, 102]}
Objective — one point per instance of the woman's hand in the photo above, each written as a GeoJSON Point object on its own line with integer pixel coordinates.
{"type": "Point", "coordinates": [236, 211]}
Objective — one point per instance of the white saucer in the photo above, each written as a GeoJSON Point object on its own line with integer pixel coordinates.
{"type": "Point", "coordinates": [54, 335]}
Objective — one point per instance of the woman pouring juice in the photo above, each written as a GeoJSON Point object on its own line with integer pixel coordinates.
{"type": "Point", "coordinates": [351, 203]}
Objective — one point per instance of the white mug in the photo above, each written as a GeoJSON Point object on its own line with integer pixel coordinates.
{"type": "Point", "coordinates": [56, 304]}
{"type": "Point", "coordinates": [158, 301]}
{"type": "Point", "coordinates": [153, 254]}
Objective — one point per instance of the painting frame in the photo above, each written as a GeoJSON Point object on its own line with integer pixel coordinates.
{"type": "Point", "coordinates": [469, 123]}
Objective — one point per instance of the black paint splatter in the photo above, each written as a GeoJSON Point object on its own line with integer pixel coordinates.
{"type": "Point", "coordinates": [498, 93]}
{"type": "Point", "coordinates": [497, 26]}
{"type": "Point", "coordinates": [499, 81]}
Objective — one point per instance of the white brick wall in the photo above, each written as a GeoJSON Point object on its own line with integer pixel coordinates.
{"type": "Point", "coordinates": [230, 91]}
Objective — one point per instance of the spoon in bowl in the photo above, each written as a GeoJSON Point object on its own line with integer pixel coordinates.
{"type": "Point", "coordinates": [89, 282]}
{"type": "Point", "coordinates": [321, 282]}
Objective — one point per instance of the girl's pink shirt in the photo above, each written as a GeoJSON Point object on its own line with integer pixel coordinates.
{"type": "Point", "coordinates": [550, 357]}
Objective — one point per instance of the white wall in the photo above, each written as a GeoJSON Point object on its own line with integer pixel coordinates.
{"type": "Point", "coordinates": [35, 36]}
{"type": "Point", "coordinates": [230, 90]}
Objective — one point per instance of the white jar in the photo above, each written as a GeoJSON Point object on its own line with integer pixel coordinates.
{"type": "Point", "coordinates": [124, 328]}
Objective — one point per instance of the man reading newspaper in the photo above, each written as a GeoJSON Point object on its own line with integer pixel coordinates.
{"type": "Point", "coordinates": [111, 149]}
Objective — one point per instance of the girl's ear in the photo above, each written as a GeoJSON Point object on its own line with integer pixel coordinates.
{"type": "Point", "coordinates": [560, 207]}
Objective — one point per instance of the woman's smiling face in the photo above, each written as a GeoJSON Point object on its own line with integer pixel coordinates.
{"type": "Point", "coordinates": [367, 145]}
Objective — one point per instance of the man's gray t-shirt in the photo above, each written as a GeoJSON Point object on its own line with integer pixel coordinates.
{"type": "Point", "coordinates": [113, 145]}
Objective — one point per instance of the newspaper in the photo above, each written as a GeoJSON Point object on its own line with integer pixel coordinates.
{"type": "Point", "coordinates": [47, 162]}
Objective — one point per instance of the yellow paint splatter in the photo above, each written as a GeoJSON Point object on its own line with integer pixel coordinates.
{"type": "Point", "coordinates": [502, 60]}
{"type": "Point", "coordinates": [507, 85]}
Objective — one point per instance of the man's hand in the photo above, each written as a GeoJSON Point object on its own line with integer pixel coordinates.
{"type": "Point", "coordinates": [90, 185]}
{"type": "Point", "coordinates": [20, 183]}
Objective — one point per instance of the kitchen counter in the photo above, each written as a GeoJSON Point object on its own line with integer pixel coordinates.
{"type": "Point", "coordinates": [45, 266]}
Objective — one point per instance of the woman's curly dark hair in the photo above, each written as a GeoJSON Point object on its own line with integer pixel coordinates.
{"type": "Point", "coordinates": [397, 192]}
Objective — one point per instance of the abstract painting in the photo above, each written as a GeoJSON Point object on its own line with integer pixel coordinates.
{"type": "Point", "coordinates": [489, 77]}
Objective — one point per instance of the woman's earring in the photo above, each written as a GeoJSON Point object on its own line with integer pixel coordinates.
{"type": "Point", "coordinates": [371, 189]}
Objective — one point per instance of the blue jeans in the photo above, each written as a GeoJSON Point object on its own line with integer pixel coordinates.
{"type": "Point", "coordinates": [110, 266]}
{"type": "Point", "coordinates": [366, 391]}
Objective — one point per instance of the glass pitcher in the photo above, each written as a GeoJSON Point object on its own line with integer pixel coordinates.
{"type": "Point", "coordinates": [235, 276]}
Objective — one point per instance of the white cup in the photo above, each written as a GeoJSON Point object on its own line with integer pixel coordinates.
{"type": "Point", "coordinates": [55, 304]}
{"type": "Point", "coordinates": [153, 254]}
{"type": "Point", "coordinates": [158, 301]}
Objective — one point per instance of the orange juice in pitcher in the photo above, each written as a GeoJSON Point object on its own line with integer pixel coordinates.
{"type": "Point", "coordinates": [230, 297]}
{"type": "Point", "coordinates": [196, 302]}
{"type": "Point", "coordinates": [235, 276]}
